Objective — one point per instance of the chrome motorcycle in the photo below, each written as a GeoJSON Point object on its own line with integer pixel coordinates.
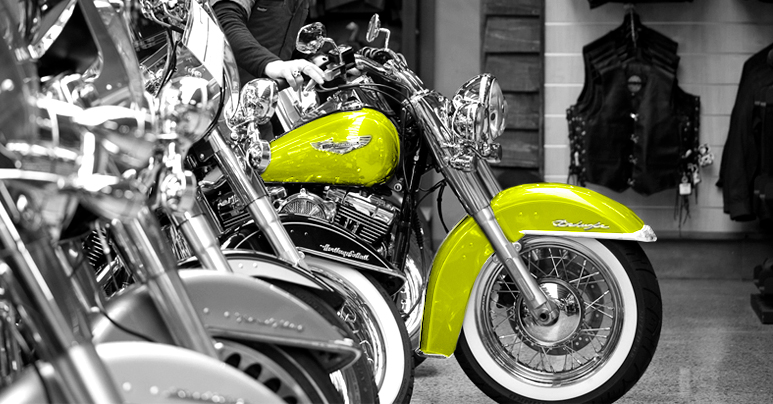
{"type": "Point", "coordinates": [47, 164]}
{"type": "Point", "coordinates": [542, 292]}
{"type": "Point", "coordinates": [272, 336]}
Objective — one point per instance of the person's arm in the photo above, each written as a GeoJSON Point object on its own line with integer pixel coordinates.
{"type": "Point", "coordinates": [249, 53]}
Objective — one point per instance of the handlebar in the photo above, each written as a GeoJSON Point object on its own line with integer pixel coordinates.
{"type": "Point", "coordinates": [393, 68]}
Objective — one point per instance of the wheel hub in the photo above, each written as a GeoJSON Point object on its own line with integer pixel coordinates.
{"type": "Point", "coordinates": [570, 315]}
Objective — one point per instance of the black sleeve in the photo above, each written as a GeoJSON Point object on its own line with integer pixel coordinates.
{"type": "Point", "coordinates": [249, 53]}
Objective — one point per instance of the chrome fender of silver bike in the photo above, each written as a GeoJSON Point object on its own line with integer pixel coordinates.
{"type": "Point", "coordinates": [231, 306]}
{"type": "Point", "coordinates": [321, 239]}
{"type": "Point", "coordinates": [146, 372]}
{"type": "Point", "coordinates": [274, 270]}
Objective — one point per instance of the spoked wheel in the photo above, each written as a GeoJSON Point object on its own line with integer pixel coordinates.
{"type": "Point", "coordinates": [292, 374]}
{"type": "Point", "coordinates": [608, 326]}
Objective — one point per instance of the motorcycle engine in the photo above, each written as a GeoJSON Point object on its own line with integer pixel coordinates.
{"type": "Point", "coordinates": [369, 217]}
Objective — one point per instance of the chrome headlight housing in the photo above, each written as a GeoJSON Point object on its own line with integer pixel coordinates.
{"type": "Point", "coordinates": [479, 111]}
{"type": "Point", "coordinates": [257, 103]}
{"type": "Point", "coordinates": [187, 106]}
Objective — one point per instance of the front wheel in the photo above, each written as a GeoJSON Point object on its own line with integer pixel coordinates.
{"type": "Point", "coordinates": [292, 374]}
{"type": "Point", "coordinates": [606, 334]}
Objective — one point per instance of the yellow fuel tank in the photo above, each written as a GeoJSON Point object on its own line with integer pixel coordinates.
{"type": "Point", "coordinates": [346, 148]}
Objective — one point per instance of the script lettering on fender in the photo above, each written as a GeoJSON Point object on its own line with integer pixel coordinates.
{"type": "Point", "coordinates": [580, 224]}
{"type": "Point", "coordinates": [345, 254]}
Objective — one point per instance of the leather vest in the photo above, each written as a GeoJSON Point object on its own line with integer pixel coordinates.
{"type": "Point", "coordinates": [632, 127]}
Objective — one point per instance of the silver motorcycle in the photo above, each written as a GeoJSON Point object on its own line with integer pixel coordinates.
{"type": "Point", "coordinates": [48, 165]}
{"type": "Point", "coordinates": [275, 343]}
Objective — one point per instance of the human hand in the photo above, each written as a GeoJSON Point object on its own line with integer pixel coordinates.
{"type": "Point", "coordinates": [290, 70]}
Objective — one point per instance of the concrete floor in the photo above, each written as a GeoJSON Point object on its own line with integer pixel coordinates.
{"type": "Point", "coordinates": [713, 348]}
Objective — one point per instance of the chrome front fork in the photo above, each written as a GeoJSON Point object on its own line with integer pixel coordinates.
{"type": "Point", "coordinates": [252, 193]}
{"type": "Point", "coordinates": [143, 246]}
{"type": "Point", "coordinates": [476, 201]}
{"type": "Point", "coordinates": [475, 186]}
{"type": "Point", "coordinates": [195, 223]}
{"type": "Point", "coordinates": [31, 275]}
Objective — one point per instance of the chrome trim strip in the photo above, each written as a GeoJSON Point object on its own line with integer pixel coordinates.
{"type": "Point", "coordinates": [645, 234]}
{"type": "Point", "coordinates": [43, 40]}
{"type": "Point", "coordinates": [342, 346]}
{"type": "Point", "coordinates": [353, 263]}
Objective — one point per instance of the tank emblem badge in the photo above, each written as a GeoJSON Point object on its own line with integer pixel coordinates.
{"type": "Point", "coordinates": [351, 143]}
{"type": "Point", "coordinates": [580, 224]}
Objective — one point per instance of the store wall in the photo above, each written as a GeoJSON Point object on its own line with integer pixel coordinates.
{"type": "Point", "coordinates": [457, 59]}
{"type": "Point", "coordinates": [457, 44]}
{"type": "Point", "coordinates": [715, 38]}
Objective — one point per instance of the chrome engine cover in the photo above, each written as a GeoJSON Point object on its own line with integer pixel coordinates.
{"type": "Point", "coordinates": [370, 217]}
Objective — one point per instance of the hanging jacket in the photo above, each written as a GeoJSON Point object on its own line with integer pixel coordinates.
{"type": "Point", "coordinates": [741, 158]}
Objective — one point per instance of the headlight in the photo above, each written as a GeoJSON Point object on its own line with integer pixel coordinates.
{"type": "Point", "coordinates": [479, 109]}
{"type": "Point", "coordinates": [187, 106]}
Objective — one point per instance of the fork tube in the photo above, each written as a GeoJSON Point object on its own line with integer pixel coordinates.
{"type": "Point", "coordinates": [11, 361]}
{"type": "Point", "coordinates": [70, 253]}
{"type": "Point", "coordinates": [142, 244]}
{"type": "Point", "coordinates": [201, 237]}
{"type": "Point", "coordinates": [252, 192]}
{"type": "Point", "coordinates": [83, 376]}
{"type": "Point", "coordinates": [469, 189]}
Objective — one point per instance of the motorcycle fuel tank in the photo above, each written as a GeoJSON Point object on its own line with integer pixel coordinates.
{"type": "Point", "coordinates": [345, 148]}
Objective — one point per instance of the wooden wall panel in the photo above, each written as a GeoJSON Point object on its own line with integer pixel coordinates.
{"type": "Point", "coordinates": [523, 110]}
{"type": "Point", "coordinates": [516, 72]}
{"type": "Point", "coordinates": [520, 148]}
{"type": "Point", "coordinates": [505, 35]}
{"type": "Point", "coordinates": [513, 7]}
{"type": "Point", "coordinates": [715, 38]}
{"type": "Point", "coordinates": [512, 44]}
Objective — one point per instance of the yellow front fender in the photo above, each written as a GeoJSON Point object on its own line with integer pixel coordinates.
{"type": "Point", "coordinates": [532, 209]}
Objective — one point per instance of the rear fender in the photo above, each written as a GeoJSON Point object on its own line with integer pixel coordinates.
{"type": "Point", "coordinates": [532, 209]}
{"type": "Point", "coordinates": [231, 306]}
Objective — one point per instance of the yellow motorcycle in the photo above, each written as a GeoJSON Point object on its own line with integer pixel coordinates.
{"type": "Point", "coordinates": [542, 292]}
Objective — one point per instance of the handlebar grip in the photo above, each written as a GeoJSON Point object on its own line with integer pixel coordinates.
{"type": "Point", "coordinates": [281, 84]}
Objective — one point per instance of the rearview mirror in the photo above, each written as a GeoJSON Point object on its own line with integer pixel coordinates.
{"type": "Point", "coordinates": [374, 28]}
